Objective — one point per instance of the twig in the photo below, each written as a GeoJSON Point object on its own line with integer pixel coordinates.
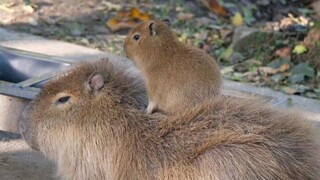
{"type": "Point", "coordinates": [4, 163]}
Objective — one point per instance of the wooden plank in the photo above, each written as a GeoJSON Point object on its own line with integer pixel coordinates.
{"type": "Point", "coordinates": [12, 89]}
{"type": "Point", "coordinates": [38, 79]}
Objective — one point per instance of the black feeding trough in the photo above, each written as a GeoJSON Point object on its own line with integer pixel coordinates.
{"type": "Point", "coordinates": [22, 73]}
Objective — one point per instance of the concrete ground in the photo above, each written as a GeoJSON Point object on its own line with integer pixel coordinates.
{"type": "Point", "coordinates": [18, 161]}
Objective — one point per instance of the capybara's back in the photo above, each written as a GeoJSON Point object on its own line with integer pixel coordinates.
{"type": "Point", "coordinates": [89, 121]}
{"type": "Point", "coordinates": [230, 138]}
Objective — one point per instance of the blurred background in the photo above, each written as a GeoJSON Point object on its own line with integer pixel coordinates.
{"type": "Point", "coordinates": [269, 43]}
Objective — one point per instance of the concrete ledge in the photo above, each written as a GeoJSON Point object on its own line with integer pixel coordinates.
{"type": "Point", "coordinates": [10, 110]}
{"type": "Point", "coordinates": [41, 45]}
{"type": "Point", "coordinates": [309, 107]}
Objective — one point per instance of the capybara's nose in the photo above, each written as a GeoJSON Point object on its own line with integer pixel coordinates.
{"type": "Point", "coordinates": [22, 126]}
{"type": "Point", "coordinates": [22, 123]}
{"type": "Point", "coordinates": [27, 131]}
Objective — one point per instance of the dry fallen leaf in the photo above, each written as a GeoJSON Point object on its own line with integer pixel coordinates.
{"type": "Point", "coordinates": [123, 14]}
{"type": "Point", "coordinates": [145, 17]}
{"type": "Point", "coordinates": [284, 53]}
{"type": "Point", "coordinates": [216, 8]}
{"type": "Point", "coordinates": [224, 33]}
{"type": "Point", "coordinates": [185, 16]}
{"type": "Point", "coordinates": [203, 21]}
{"type": "Point", "coordinates": [136, 14]}
{"type": "Point", "coordinates": [28, 8]}
{"type": "Point", "coordinates": [283, 68]}
{"type": "Point", "coordinates": [7, 7]}
{"type": "Point", "coordinates": [116, 25]}
{"type": "Point", "coordinates": [288, 90]}
{"type": "Point", "coordinates": [111, 23]}
{"type": "Point", "coordinates": [272, 71]}
{"type": "Point", "coordinates": [312, 37]}
{"type": "Point", "coordinates": [267, 70]}
{"type": "Point", "coordinates": [109, 5]}
{"type": "Point", "coordinates": [316, 7]}
{"type": "Point", "coordinates": [127, 19]}
{"type": "Point", "coordinates": [250, 75]}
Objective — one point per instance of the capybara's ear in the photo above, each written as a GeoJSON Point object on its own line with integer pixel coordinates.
{"type": "Point", "coordinates": [167, 21]}
{"type": "Point", "coordinates": [95, 82]}
{"type": "Point", "coordinates": [152, 28]}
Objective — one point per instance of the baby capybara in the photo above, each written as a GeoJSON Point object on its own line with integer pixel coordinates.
{"type": "Point", "coordinates": [177, 76]}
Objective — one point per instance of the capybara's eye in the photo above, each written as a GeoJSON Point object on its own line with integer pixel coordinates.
{"type": "Point", "coordinates": [63, 100]}
{"type": "Point", "coordinates": [136, 37]}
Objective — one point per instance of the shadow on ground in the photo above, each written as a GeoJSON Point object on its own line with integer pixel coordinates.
{"type": "Point", "coordinates": [18, 161]}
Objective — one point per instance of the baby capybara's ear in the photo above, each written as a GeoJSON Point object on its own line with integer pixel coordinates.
{"type": "Point", "coordinates": [167, 21]}
{"type": "Point", "coordinates": [153, 29]}
{"type": "Point", "coordinates": [95, 82]}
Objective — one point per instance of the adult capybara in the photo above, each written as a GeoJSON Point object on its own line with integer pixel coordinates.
{"type": "Point", "coordinates": [89, 122]}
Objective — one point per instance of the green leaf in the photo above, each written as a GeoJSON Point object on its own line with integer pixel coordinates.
{"type": "Point", "coordinates": [248, 16]}
{"type": "Point", "coordinates": [299, 72]}
{"type": "Point", "coordinates": [276, 78]}
{"type": "Point", "coordinates": [283, 2]}
{"type": "Point", "coordinates": [183, 36]}
{"type": "Point", "coordinates": [310, 94]}
{"type": "Point", "coordinates": [237, 19]}
{"type": "Point", "coordinates": [75, 29]}
{"type": "Point", "coordinates": [299, 49]}
{"type": "Point", "coordinates": [275, 64]}
{"type": "Point", "coordinates": [289, 102]}
{"type": "Point", "coordinates": [237, 77]}
{"type": "Point", "coordinates": [295, 89]}
{"type": "Point", "coordinates": [288, 90]}
{"type": "Point", "coordinates": [226, 70]}
{"type": "Point", "coordinates": [296, 78]}
{"type": "Point", "coordinates": [226, 54]}
{"type": "Point", "coordinates": [303, 68]}
{"type": "Point", "coordinates": [300, 88]}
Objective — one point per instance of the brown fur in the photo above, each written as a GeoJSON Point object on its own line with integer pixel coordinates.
{"type": "Point", "coordinates": [177, 75]}
{"type": "Point", "coordinates": [100, 134]}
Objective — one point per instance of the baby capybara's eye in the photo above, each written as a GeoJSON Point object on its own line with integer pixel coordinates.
{"type": "Point", "coordinates": [136, 37]}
